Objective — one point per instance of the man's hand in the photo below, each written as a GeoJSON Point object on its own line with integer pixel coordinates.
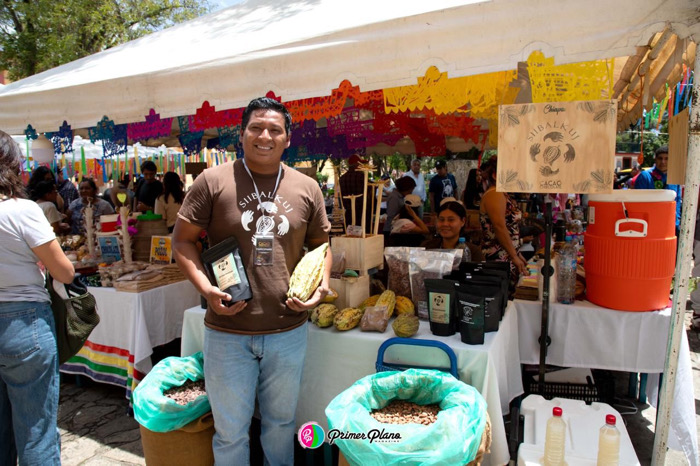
{"type": "Point", "coordinates": [215, 298]}
{"type": "Point", "coordinates": [296, 305]}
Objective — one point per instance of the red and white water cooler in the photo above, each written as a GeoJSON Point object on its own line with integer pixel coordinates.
{"type": "Point", "coordinates": [631, 249]}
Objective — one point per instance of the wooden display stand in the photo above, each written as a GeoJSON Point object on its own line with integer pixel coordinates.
{"type": "Point", "coordinates": [361, 254]}
{"type": "Point", "coordinates": [351, 290]}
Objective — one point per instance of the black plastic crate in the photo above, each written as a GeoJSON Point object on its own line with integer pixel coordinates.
{"type": "Point", "coordinates": [600, 389]}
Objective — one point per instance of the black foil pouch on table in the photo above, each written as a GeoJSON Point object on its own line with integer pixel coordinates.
{"type": "Point", "coordinates": [493, 269]}
{"type": "Point", "coordinates": [490, 288]}
{"type": "Point", "coordinates": [441, 309]}
{"type": "Point", "coordinates": [470, 315]}
{"type": "Point", "coordinates": [226, 270]}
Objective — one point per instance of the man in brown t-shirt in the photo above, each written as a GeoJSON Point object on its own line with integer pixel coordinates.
{"type": "Point", "coordinates": [255, 347]}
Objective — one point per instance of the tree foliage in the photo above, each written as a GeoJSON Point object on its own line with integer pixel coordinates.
{"type": "Point", "coordinates": [36, 35]}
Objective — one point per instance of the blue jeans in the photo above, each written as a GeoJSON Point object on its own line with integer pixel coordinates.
{"type": "Point", "coordinates": [239, 367]}
{"type": "Point", "coordinates": [29, 384]}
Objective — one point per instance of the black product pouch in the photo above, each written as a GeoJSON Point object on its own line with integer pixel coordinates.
{"type": "Point", "coordinates": [441, 309]}
{"type": "Point", "coordinates": [490, 288]}
{"type": "Point", "coordinates": [493, 269]}
{"type": "Point", "coordinates": [470, 315]}
{"type": "Point", "coordinates": [226, 270]}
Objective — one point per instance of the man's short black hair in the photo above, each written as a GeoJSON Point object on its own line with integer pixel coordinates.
{"type": "Point", "coordinates": [266, 103]}
{"type": "Point", "coordinates": [148, 165]}
{"type": "Point", "coordinates": [661, 150]}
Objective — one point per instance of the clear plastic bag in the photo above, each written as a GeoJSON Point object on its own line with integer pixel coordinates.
{"type": "Point", "coordinates": [397, 260]}
{"type": "Point", "coordinates": [427, 264]}
{"type": "Point", "coordinates": [453, 439]}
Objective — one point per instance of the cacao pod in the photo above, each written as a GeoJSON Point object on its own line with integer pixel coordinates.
{"type": "Point", "coordinates": [371, 301]}
{"type": "Point", "coordinates": [323, 315]}
{"type": "Point", "coordinates": [347, 319]}
{"type": "Point", "coordinates": [404, 306]}
{"type": "Point", "coordinates": [388, 299]}
{"type": "Point", "coordinates": [405, 325]}
{"type": "Point", "coordinates": [308, 274]}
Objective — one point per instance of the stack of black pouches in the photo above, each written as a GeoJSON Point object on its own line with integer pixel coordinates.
{"type": "Point", "coordinates": [479, 296]}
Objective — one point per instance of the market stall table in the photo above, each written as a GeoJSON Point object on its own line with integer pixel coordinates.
{"type": "Point", "coordinates": [335, 360]}
{"type": "Point", "coordinates": [589, 336]}
{"type": "Point", "coordinates": [131, 325]}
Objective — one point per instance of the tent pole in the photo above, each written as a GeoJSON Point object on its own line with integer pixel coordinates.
{"type": "Point", "coordinates": [680, 286]}
{"type": "Point", "coordinates": [546, 273]}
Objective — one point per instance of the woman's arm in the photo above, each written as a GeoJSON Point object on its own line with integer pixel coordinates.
{"type": "Point", "coordinates": [495, 207]}
{"type": "Point", "coordinates": [53, 258]}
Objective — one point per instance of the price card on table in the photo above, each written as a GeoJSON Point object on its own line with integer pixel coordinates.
{"type": "Point", "coordinates": [161, 250]}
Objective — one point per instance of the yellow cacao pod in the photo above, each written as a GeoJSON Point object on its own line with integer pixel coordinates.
{"type": "Point", "coordinates": [323, 315]}
{"type": "Point", "coordinates": [308, 274]}
{"type": "Point", "coordinates": [388, 299]}
{"type": "Point", "coordinates": [347, 319]}
{"type": "Point", "coordinates": [371, 301]}
{"type": "Point", "coordinates": [404, 306]}
{"type": "Point", "coordinates": [331, 296]}
{"type": "Point", "coordinates": [405, 325]}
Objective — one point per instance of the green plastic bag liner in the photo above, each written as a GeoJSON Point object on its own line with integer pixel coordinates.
{"type": "Point", "coordinates": [157, 412]}
{"type": "Point", "coordinates": [453, 439]}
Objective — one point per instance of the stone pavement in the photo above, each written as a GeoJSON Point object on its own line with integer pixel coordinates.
{"type": "Point", "coordinates": [96, 429]}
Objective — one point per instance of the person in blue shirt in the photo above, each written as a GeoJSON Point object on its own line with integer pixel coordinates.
{"type": "Point", "coordinates": [441, 186]}
{"type": "Point", "coordinates": [655, 178]}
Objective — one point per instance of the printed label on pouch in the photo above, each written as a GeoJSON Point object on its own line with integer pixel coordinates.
{"type": "Point", "coordinates": [440, 307]}
{"type": "Point", "coordinates": [225, 272]}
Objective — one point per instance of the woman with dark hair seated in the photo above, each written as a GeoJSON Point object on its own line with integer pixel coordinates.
{"type": "Point", "coordinates": [451, 219]}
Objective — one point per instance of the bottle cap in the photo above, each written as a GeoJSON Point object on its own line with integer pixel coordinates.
{"type": "Point", "coordinates": [610, 419]}
{"type": "Point", "coordinates": [462, 239]}
{"type": "Point", "coordinates": [556, 411]}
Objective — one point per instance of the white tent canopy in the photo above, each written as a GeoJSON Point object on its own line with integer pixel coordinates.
{"type": "Point", "coordinates": [305, 48]}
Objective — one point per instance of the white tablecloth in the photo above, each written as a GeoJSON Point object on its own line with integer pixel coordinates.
{"type": "Point", "coordinates": [586, 335]}
{"type": "Point", "coordinates": [131, 325]}
{"type": "Point", "coordinates": [335, 360]}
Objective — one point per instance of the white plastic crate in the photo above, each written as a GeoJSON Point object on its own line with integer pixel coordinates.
{"type": "Point", "coordinates": [583, 423]}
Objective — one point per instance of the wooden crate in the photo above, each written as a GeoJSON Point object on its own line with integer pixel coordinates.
{"type": "Point", "coordinates": [351, 290]}
{"type": "Point", "coordinates": [361, 254]}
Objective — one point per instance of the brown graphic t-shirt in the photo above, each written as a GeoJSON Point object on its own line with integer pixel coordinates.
{"type": "Point", "coordinates": [222, 201]}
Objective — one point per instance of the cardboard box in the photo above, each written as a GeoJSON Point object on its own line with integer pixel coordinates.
{"type": "Point", "coordinates": [361, 254]}
{"type": "Point", "coordinates": [351, 291]}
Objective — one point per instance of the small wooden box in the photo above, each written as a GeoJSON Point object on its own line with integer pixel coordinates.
{"type": "Point", "coordinates": [351, 290]}
{"type": "Point", "coordinates": [361, 254]}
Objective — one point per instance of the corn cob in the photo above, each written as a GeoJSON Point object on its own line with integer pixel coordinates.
{"type": "Point", "coordinates": [308, 274]}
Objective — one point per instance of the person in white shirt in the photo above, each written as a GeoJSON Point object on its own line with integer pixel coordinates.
{"type": "Point", "coordinates": [419, 190]}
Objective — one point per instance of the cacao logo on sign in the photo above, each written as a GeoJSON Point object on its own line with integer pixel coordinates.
{"type": "Point", "coordinates": [551, 144]}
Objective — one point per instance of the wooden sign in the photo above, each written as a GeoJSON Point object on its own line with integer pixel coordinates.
{"type": "Point", "coordinates": [557, 147]}
{"type": "Point", "coordinates": [161, 250]}
{"type": "Point", "coordinates": [677, 147]}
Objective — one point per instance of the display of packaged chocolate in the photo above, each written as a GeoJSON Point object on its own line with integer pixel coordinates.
{"type": "Point", "coordinates": [441, 309]}
{"type": "Point", "coordinates": [226, 270]}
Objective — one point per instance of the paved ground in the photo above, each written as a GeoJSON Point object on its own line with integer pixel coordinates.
{"type": "Point", "coordinates": [96, 430]}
